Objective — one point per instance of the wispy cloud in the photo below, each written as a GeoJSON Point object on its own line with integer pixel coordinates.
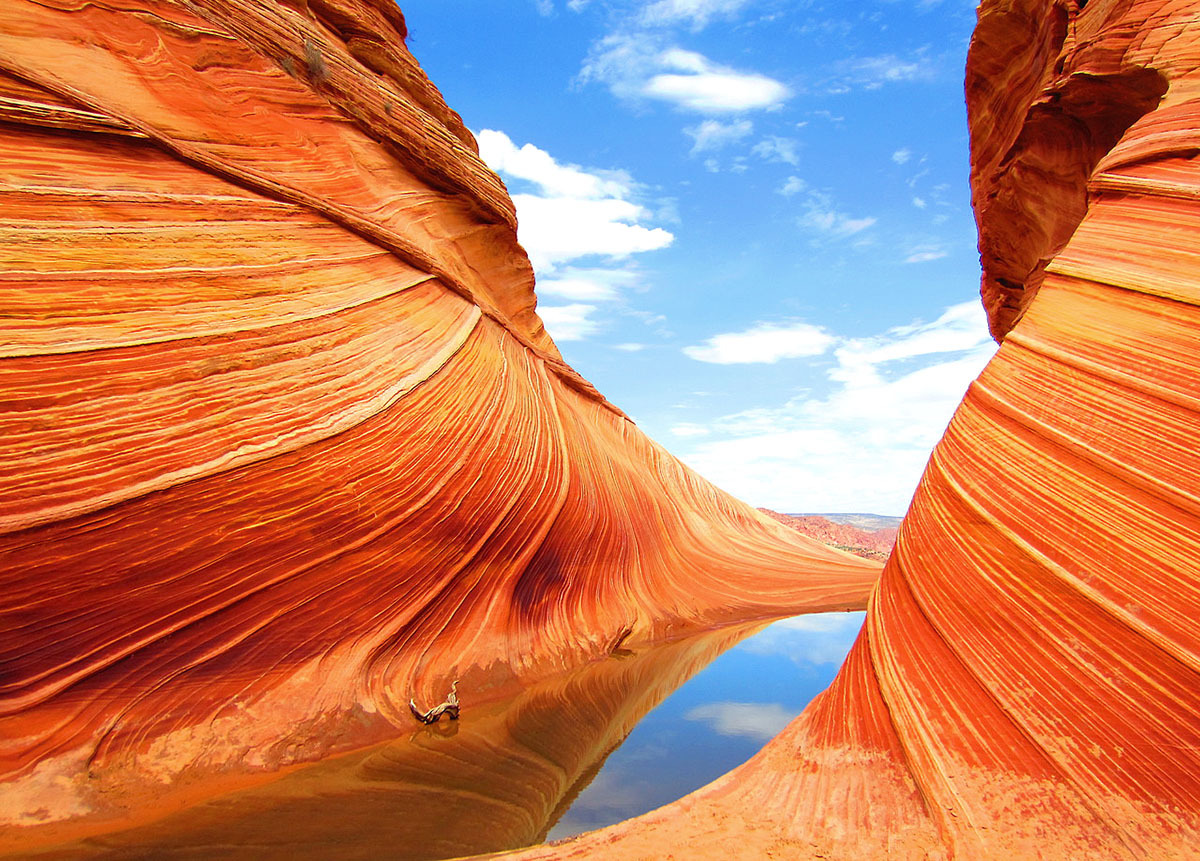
{"type": "Point", "coordinates": [862, 446]}
{"type": "Point", "coordinates": [927, 251]}
{"type": "Point", "coordinates": [759, 721]}
{"type": "Point", "coordinates": [693, 13]}
{"type": "Point", "coordinates": [823, 217]}
{"type": "Point", "coordinates": [569, 322]}
{"type": "Point", "coordinates": [712, 135]}
{"type": "Point", "coordinates": [778, 149]}
{"type": "Point", "coordinates": [763, 343]}
{"type": "Point", "coordinates": [875, 72]}
{"type": "Point", "coordinates": [901, 156]}
{"type": "Point", "coordinates": [792, 185]}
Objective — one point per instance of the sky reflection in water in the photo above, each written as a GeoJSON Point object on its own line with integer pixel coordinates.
{"type": "Point", "coordinates": [717, 720]}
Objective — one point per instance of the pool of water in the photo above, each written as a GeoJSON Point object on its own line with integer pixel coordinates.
{"type": "Point", "coordinates": [716, 720]}
{"type": "Point", "coordinates": [593, 746]}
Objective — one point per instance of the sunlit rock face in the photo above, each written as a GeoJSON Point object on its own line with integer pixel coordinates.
{"type": "Point", "coordinates": [284, 443]}
{"type": "Point", "coordinates": [1028, 680]}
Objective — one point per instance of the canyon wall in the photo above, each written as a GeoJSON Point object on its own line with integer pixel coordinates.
{"type": "Point", "coordinates": [284, 442]}
{"type": "Point", "coordinates": [1027, 683]}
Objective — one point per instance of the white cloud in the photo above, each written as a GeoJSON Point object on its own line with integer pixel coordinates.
{"type": "Point", "coordinates": [539, 167]}
{"type": "Point", "coordinates": [778, 149]}
{"type": "Point", "coordinates": [925, 253]}
{"type": "Point", "coordinates": [569, 322]}
{"type": "Point", "coordinates": [821, 216]}
{"type": "Point", "coordinates": [793, 185]}
{"type": "Point", "coordinates": [862, 446]}
{"type": "Point", "coordinates": [695, 13]}
{"type": "Point", "coordinates": [759, 721]}
{"type": "Point", "coordinates": [901, 156]}
{"type": "Point", "coordinates": [576, 212]}
{"type": "Point", "coordinates": [629, 347]}
{"type": "Point", "coordinates": [712, 135]}
{"type": "Point", "coordinates": [555, 230]}
{"type": "Point", "coordinates": [764, 342]}
{"type": "Point", "coordinates": [689, 429]}
{"type": "Point", "coordinates": [873, 73]}
{"type": "Point", "coordinates": [637, 66]}
{"type": "Point", "coordinates": [545, 8]}
{"type": "Point", "coordinates": [588, 285]}
{"type": "Point", "coordinates": [919, 202]}
{"type": "Point", "coordinates": [813, 639]}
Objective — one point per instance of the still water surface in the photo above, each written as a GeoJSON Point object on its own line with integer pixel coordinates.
{"type": "Point", "coordinates": [716, 720]}
{"type": "Point", "coordinates": [604, 742]}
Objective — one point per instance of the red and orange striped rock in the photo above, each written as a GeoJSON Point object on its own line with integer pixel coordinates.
{"type": "Point", "coordinates": [1027, 684]}
{"type": "Point", "coordinates": [284, 442]}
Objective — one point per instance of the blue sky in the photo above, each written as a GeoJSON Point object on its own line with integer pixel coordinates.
{"type": "Point", "coordinates": [750, 220]}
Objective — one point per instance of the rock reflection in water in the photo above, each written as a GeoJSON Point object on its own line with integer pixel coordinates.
{"type": "Point", "coordinates": [716, 720]}
{"type": "Point", "coordinates": [498, 778]}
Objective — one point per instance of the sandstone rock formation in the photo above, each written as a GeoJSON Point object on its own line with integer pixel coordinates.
{"type": "Point", "coordinates": [284, 443]}
{"type": "Point", "coordinates": [499, 778]}
{"type": "Point", "coordinates": [869, 544]}
{"type": "Point", "coordinates": [1027, 684]}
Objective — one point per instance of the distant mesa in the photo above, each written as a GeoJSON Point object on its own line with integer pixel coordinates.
{"type": "Point", "coordinates": [870, 536]}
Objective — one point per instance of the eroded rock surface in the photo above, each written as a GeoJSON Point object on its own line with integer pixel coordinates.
{"type": "Point", "coordinates": [284, 442]}
{"type": "Point", "coordinates": [1027, 684]}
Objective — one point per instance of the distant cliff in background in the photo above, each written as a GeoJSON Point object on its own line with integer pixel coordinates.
{"type": "Point", "coordinates": [868, 543]}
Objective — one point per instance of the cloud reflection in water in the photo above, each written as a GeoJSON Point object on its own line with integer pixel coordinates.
{"type": "Point", "coordinates": [717, 720]}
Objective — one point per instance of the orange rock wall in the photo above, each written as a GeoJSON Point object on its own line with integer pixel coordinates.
{"type": "Point", "coordinates": [1028, 680]}
{"type": "Point", "coordinates": [284, 442]}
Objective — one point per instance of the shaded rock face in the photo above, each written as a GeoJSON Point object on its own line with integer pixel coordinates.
{"type": "Point", "coordinates": [284, 441]}
{"type": "Point", "coordinates": [1027, 683]}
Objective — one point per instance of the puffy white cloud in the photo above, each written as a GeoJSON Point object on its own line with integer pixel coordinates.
{"type": "Point", "coordinates": [695, 13]}
{"type": "Point", "coordinates": [637, 66]}
{"type": "Point", "coordinates": [558, 229]}
{"type": "Point", "coordinates": [569, 322]}
{"type": "Point", "coordinates": [764, 342]}
{"type": "Point", "coordinates": [759, 721]}
{"type": "Point", "coordinates": [714, 135]}
{"type": "Point", "coordinates": [696, 84]}
{"type": "Point", "coordinates": [576, 212]}
{"type": "Point", "coordinates": [539, 167]}
{"type": "Point", "coordinates": [862, 446]}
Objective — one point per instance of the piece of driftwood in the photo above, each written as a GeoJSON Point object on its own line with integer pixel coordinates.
{"type": "Point", "coordinates": [448, 708]}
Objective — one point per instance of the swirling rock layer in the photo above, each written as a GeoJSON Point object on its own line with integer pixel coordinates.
{"type": "Point", "coordinates": [1028, 680]}
{"type": "Point", "coordinates": [283, 440]}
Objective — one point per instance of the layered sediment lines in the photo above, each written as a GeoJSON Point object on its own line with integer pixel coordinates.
{"type": "Point", "coordinates": [1027, 683]}
{"type": "Point", "coordinates": [283, 441]}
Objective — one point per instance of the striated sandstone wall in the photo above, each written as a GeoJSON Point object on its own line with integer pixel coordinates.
{"type": "Point", "coordinates": [283, 439]}
{"type": "Point", "coordinates": [1027, 684]}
